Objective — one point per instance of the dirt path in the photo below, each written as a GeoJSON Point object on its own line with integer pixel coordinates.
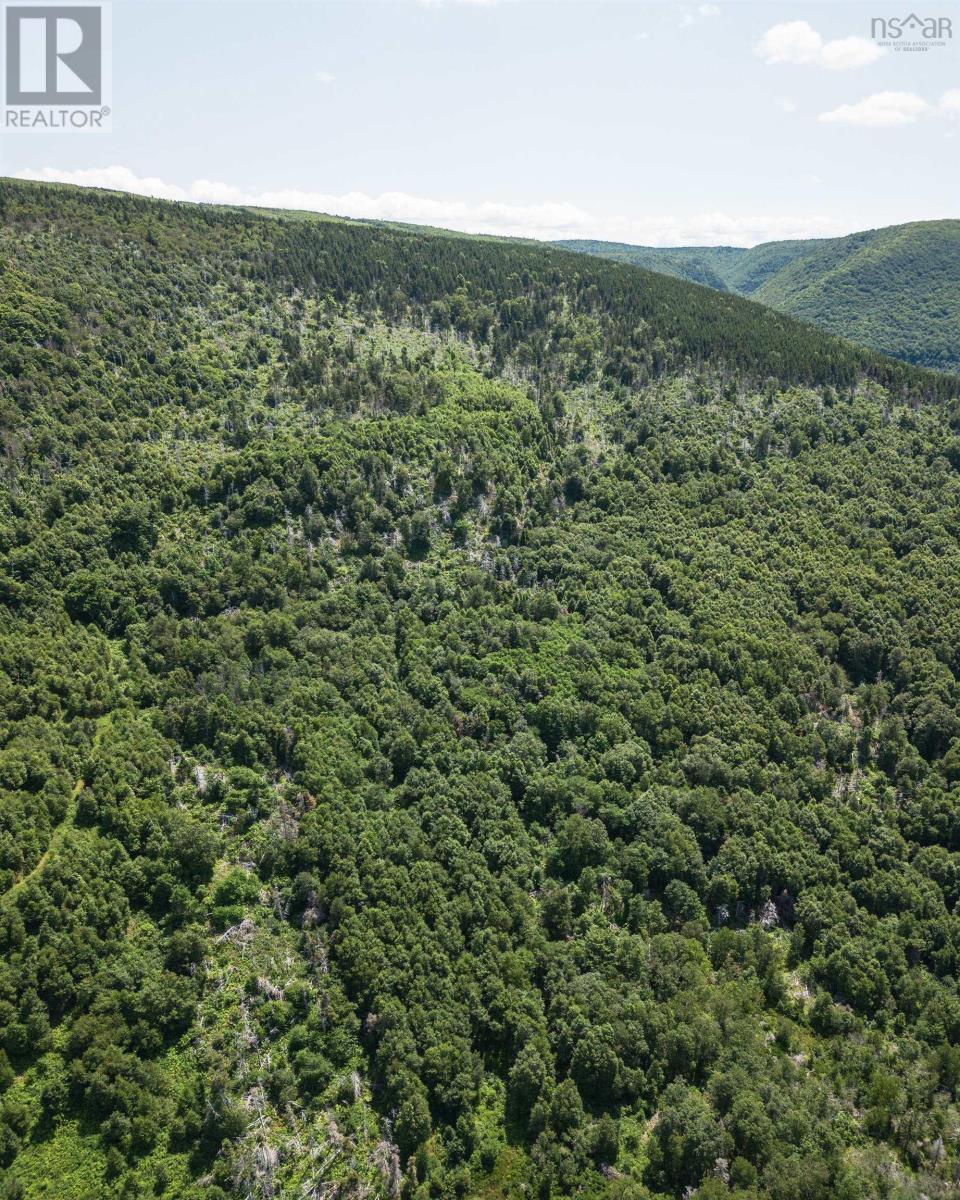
{"type": "Point", "coordinates": [56, 839]}
{"type": "Point", "coordinates": [61, 831]}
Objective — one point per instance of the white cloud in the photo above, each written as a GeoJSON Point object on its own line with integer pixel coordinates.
{"type": "Point", "coordinates": [788, 105]}
{"type": "Point", "coordinates": [846, 54]}
{"type": "Point", "coordinates": [950, 103]}
{"type": "Point", "coordinates": [883, 110]}
{"type": "Point", "coordinates": [120, 179]}
{"type": "Point", "coordinates": [799, 43]}
{"type": "Point", "coordinates": [325, 77]}
{"type": "Point", "coordinates": [886, 110]}
{"type": "Point", "coordinates": [790, 42]}
{"type": "Point", "coordinates": [690, 17]}
{"type": "Point", "coordinates": [547, 221]}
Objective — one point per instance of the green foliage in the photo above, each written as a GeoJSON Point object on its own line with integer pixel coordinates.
{"type": "Point", "coordinates": [893, 289]}
{"type": "Point", "coordinates": [475, 722]}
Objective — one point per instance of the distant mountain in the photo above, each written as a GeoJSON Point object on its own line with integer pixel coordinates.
{"type": "Point", "coordinates": [896, 290]}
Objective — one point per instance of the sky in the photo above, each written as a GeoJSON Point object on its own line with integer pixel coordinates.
{"type": "Point", "coordinates": [731, 122]}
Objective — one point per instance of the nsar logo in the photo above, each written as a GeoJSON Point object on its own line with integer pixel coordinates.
{"type": "Point", "coordinates": [918, 29]}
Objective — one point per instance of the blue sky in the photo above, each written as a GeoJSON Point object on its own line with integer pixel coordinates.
{"type": "Point", "coordinates": [730, 122]}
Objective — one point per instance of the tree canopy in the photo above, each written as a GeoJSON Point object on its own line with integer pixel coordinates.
{"type": "Point", "coordinates": [476, 722]}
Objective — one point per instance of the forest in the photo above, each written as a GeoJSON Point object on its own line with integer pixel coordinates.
{"type": "Point", "coordinates": [476, 721]}
{"type": "Point", "coordinates": [894, 289]}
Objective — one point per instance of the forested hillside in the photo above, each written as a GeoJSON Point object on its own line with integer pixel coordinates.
{"type": "Point", "coordinates": [477, 722]}
{"type": "Point", "coordinates": [896, 290]}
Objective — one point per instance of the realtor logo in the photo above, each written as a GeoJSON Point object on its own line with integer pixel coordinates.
{"type": "Point", "coordinates": [54, 55]}
{"type": "Point", "coordinates": [57, 66]}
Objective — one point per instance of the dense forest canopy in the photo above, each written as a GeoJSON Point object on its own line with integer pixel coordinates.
{"type": "Point", "coordinates": [476, 722]}
{"type": "Point", "coordinates": [896, 290]}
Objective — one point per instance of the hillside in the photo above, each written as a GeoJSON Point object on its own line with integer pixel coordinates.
{"type": "Point", "coordinates": [475, 722]}
{"type": "Point", "coordinates": [895, 290]}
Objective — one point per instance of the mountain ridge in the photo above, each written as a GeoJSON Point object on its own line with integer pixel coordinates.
{"type": "Point", "coordinates": [895, 288]}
